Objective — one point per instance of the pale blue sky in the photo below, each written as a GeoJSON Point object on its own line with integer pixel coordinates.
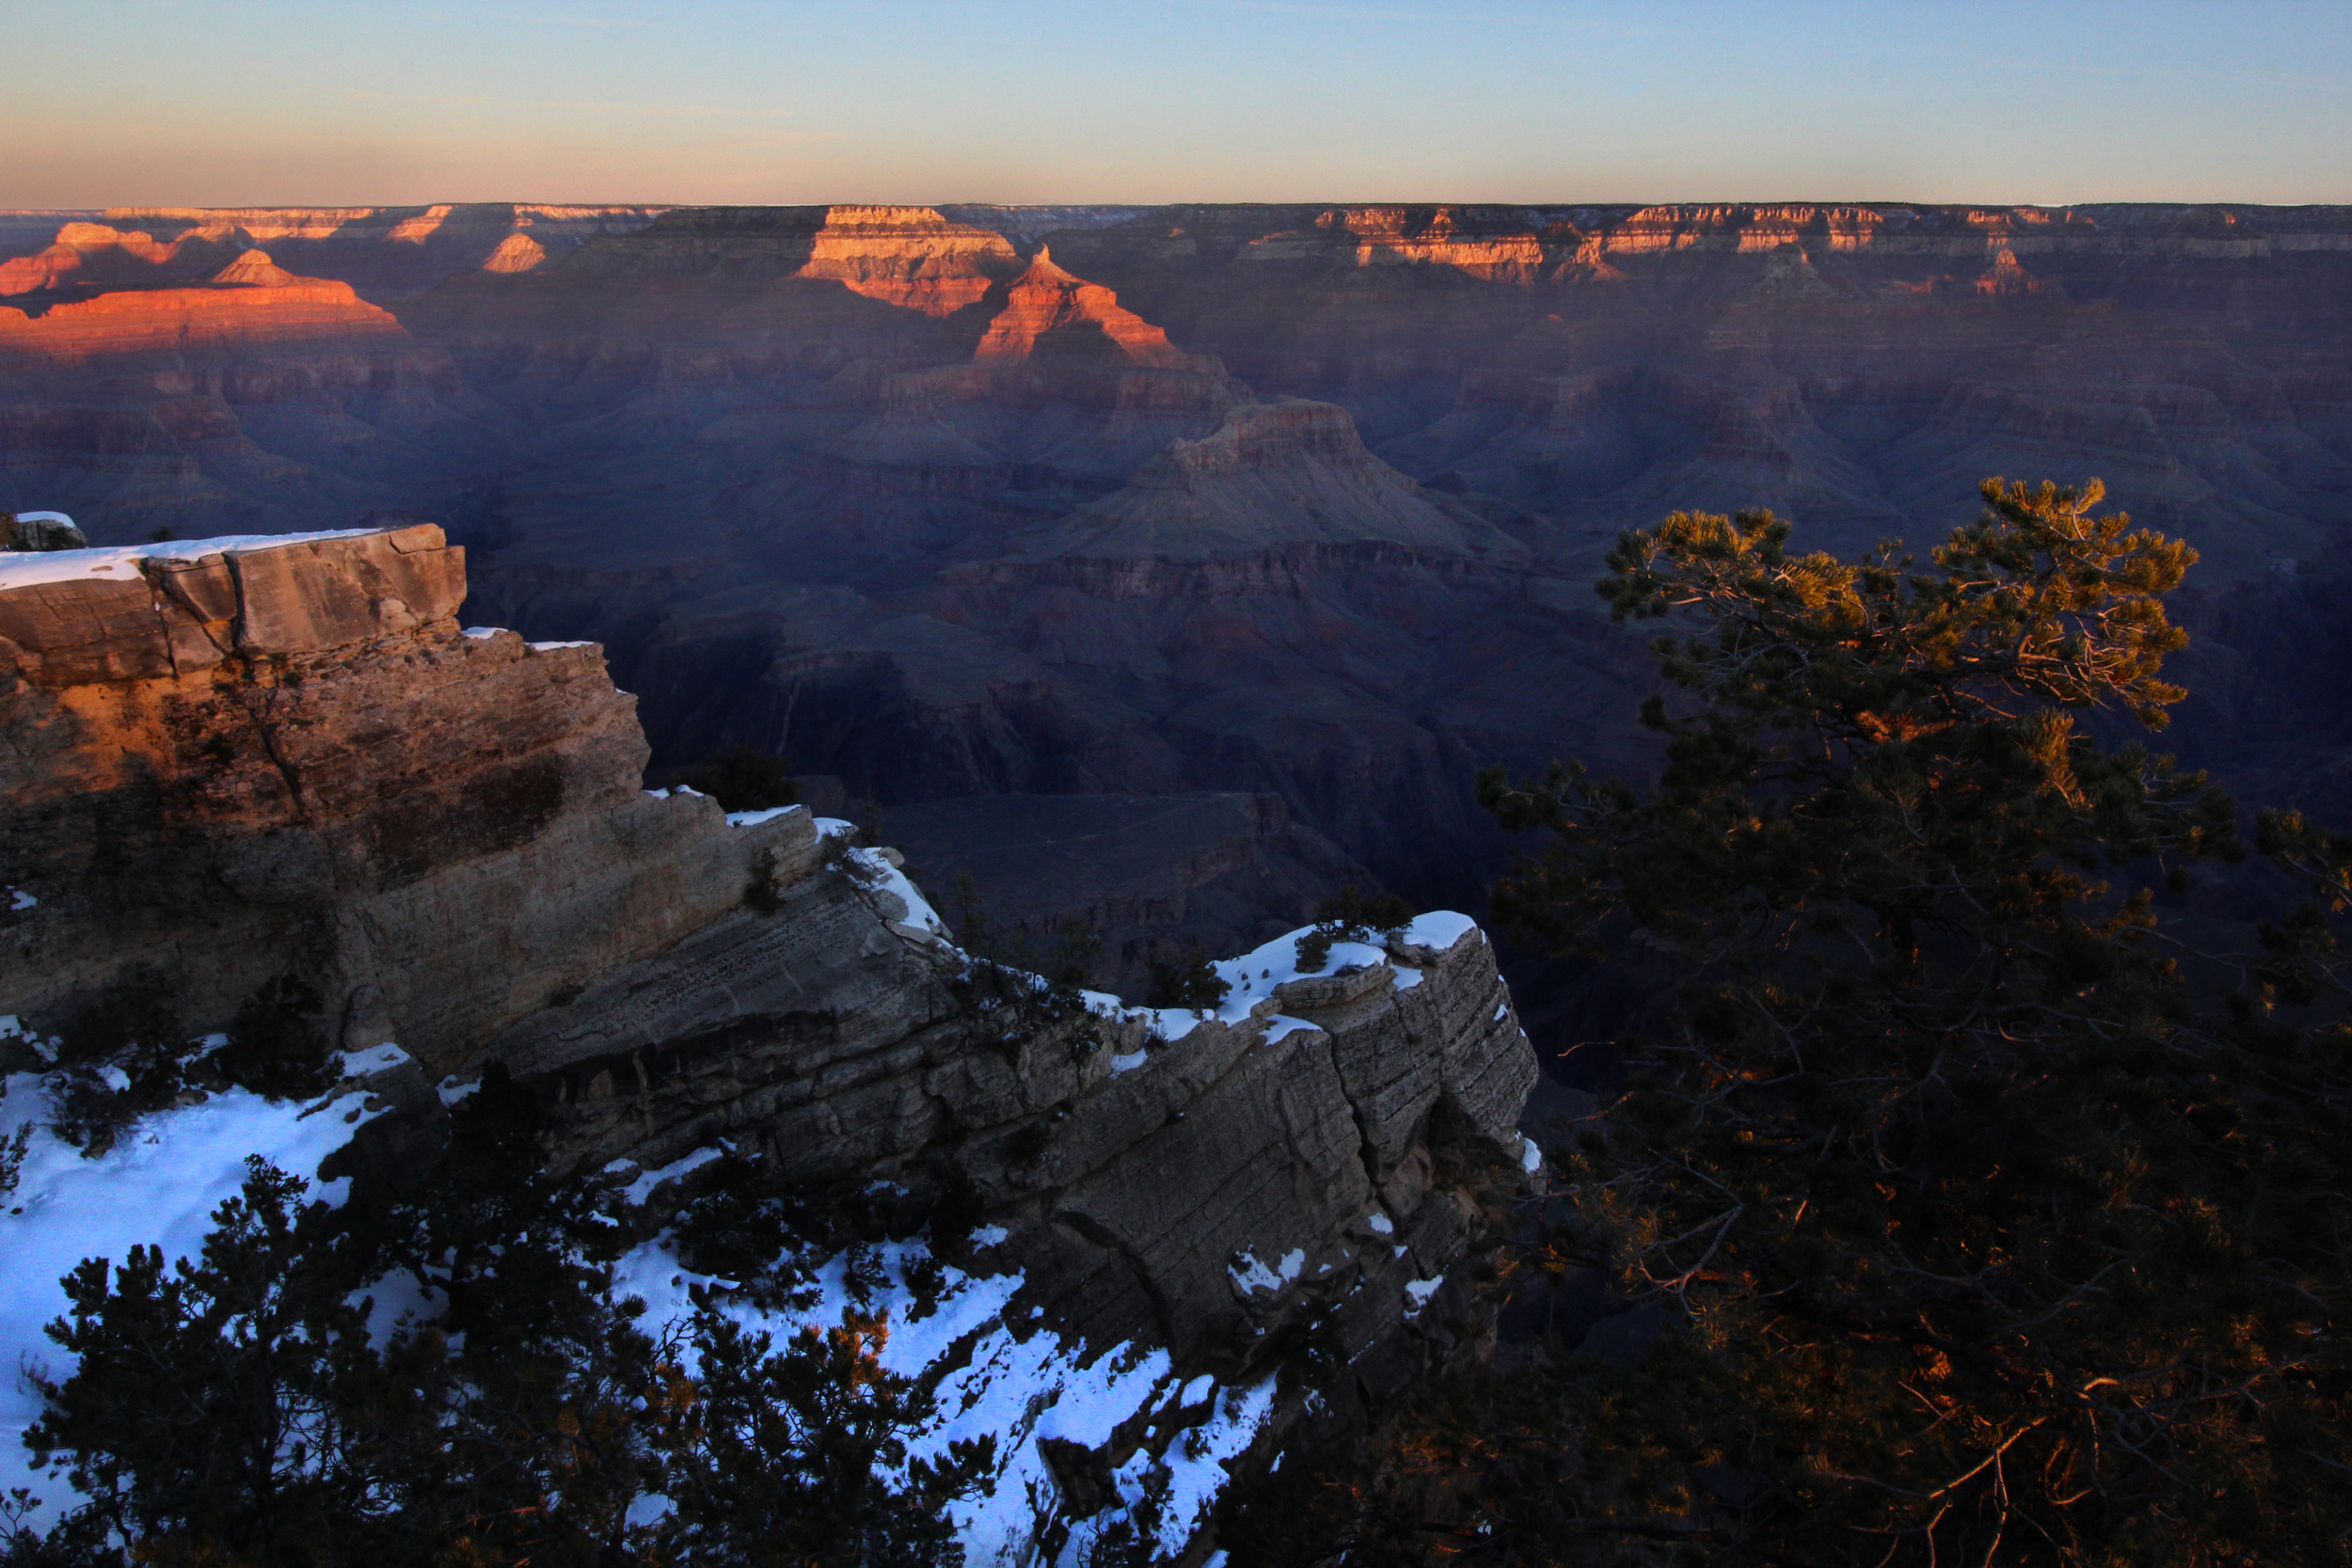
{"type": "Point", "coordinates": [282, 101]}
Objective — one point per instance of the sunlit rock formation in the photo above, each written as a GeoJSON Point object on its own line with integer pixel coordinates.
{"type": "Point", "coordinates": [1046, 311]}
{"type": "Point", "coordinates": [233, 760]}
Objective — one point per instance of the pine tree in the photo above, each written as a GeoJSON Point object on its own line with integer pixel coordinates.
{"type": "Point", "coordinates": [1987, 1221]}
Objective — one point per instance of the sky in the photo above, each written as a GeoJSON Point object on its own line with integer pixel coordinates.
{"type": "Point", "coordinates": [236, 103]}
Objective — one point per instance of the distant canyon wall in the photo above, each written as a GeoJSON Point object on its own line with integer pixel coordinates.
{"type": "Point", "coordinates": [1304, 499]}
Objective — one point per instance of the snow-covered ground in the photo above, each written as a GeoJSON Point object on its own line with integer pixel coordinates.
{"type": "Point", "coordinates": [997, 1370]}
{"type": "Point", "coordinates": [157, 1185]}
{"type": "Point", "coordinates": [1012, 1377]}
{"type": "Point", "coordinates": [1251, 978]}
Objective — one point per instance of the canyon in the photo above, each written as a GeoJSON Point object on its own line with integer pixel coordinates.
{"type": "Point", "coordinates": [971, 503]}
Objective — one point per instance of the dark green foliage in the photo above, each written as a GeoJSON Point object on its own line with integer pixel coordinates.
{"type": "Point", "coordinates": [773, 1458]}
{"type": "Point", "coordinates": [122, 1056]}
{"type": "Point", "coordinates": [203, 1416]}
{"type": "Point", "coordinates": [1069, 964]}
{"type": "Point", "coordinates": [1990, 1224]}
{"type": "Point", "coordinates": [277, 1046]}
{"type": "Point", "coordinates": [1350, 918]}
{"type": "Point", "coordinates": [741, 779]}
{"type": "Point", "coordinates": [975, 933]}
{"type": "Point", "coordinates": [233, 1410]}
{"type": "Point", "coordinates": [1124, 1535]}
{"type": "Point", "coordinates": [756, 1240]}
{"type": "Point", "coordinates": [1191, 982]}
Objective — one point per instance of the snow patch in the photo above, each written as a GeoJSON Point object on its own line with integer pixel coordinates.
{"type": "Point", "coordinates": [1381, 1224]}
{"type": "Point", "coordinates": [1418, 1293]}
{"type": "Point", "coordinates": [642, 1188]}
{"type": "Point", "coordinates": [158, 1184]}
{"type": "Point", "coordinates": [1438, 929]}
{"type": "Point", "coordinates": [120, 562]}
{"type": "Point", "coordinates": [1249, 1277]}
{"type": "Point", "coordinates": [375, 1059]}
{"type": "Point", "coordinates": [754, 818]}
{"type": "Point", "coordinates": [889, 878]}
{"type": "Point", "coordinates": [20, 899]}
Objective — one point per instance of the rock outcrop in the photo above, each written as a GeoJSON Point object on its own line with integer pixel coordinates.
{"type": "Point", "coordinates": [238, 759]}
{"type": "Point", "coordinates": [1289, 472]}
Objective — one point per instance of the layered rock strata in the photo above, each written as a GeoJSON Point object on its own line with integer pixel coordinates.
{"type": "Point", "coordinates": [236, 759]}
{"type": "Point", "coordinates": [239, 759]}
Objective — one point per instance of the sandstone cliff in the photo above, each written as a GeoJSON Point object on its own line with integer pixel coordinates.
{"type": "Point", "coordinates": [236, 759]}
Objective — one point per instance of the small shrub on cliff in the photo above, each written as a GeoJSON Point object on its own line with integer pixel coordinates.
{"type": "Point", "coordinates": [277, 1045]}
{"type": "Point", "coordinates": [123, 1055]}
{"type": "Point", "coordinates": [1350, 918]}
{"type": "Point", "coordinates": [741, 779]}
{"type": "Point", "coordinates": [1191, 981]}
{"type": "Point", "coordinates": [776, 1457]}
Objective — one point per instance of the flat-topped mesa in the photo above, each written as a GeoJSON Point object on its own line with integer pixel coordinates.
{"type": "Point", "coordinates": [226, 309]}
{"type": "Point", "coordinates": [1050, 311]}
{"type": "Point", "coordinates": [910, 257]}
{"type": "Point", "coordinates": [233, 759]}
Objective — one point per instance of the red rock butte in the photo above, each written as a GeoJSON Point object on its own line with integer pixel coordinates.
{"type": "Point", "coordinates": [908, 256]}
{"type": "Point", "coordinates": [1045, 300]}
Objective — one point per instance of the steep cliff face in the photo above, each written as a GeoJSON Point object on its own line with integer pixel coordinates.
{"type": "Point", "coordinates": [236, 759]}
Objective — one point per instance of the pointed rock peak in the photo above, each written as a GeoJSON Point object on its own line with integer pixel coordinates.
{"type": "Point", "coordinates": [1080, 316]}
{"type": "Point", "coordinates": [1044, 272]}
{"type": "Point", "coordinates": [518, 252]}
{"type": "Point", "coordinates": [2003, 275]}
{"type": "Point", "coordinates": [255, 269]}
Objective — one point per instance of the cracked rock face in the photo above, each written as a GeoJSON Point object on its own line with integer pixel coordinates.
{"type": "Point", "coordinates": [236, 759]}
{"type": "Point", "coordinates": [233, 760]}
